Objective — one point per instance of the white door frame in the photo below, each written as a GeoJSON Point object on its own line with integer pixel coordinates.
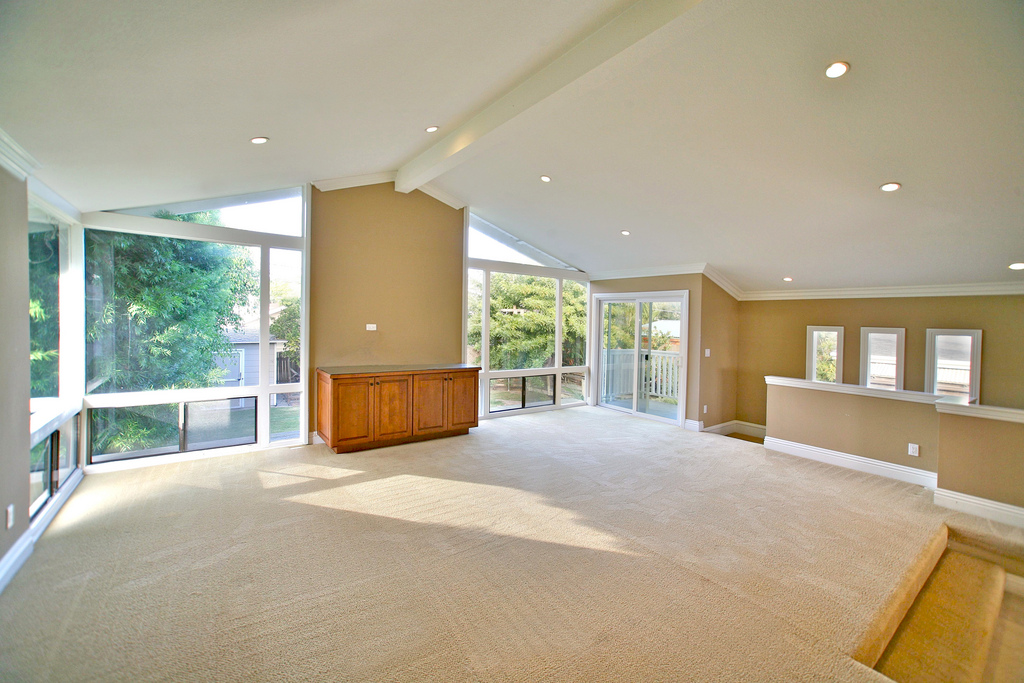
{"type": "Point", "coordinates": [597, 341]}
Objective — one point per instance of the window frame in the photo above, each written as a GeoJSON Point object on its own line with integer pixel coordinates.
{"type": "Point", "coordinates": [930, 359]}
{"type": "Point", "coordinates": [811, 368]}
{"type": "Point", "coordinates": [265, 241]}
{"type": "Point", "coordinates": [865, 360]}
{"type": "Point", "coordinates": [486, 374]}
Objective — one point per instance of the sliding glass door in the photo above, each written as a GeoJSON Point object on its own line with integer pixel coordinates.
{"type": "Point", "coordinates": [643, 347]}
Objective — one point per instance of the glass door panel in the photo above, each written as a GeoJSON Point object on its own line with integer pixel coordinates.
{"type": "Point", "coordinates": [618, 351]}
{"type": "Point", "coordinates": [658, 377]}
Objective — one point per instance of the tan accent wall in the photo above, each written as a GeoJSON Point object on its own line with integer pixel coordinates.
{"type": "Point", "coordinates": [875, 428]}
{"type": "Point", "coordinates": [384, 257]}
{"type": "Point", "coordinates": [719, 332]}
{"type": "Point", "coordinates": [669, 283]}
{"type": "Point", "coordinates": [772, 339]}
{"type": "Point", "coordinates": [14, 380]}
{"type": "Point", "coordinates": [982, 457]}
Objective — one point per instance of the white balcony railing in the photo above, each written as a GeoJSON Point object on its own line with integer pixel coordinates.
{"type": "Point", "coordinates": [660, 378]}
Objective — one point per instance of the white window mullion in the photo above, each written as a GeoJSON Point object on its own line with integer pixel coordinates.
{"type": "Point", "coordinates": [266, 354]}
{"type": "Point", "coordinates": [485, 345]}
{"type": "Point", "coordinates": [304, 369]}
{"type": "Point", "coordinates": [558, 342]}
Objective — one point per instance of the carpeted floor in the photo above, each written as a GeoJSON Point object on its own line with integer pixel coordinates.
{"type": "Point", "coordinates": [570, 545]}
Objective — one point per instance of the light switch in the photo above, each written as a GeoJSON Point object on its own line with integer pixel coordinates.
{"type": "Point", "coordinates": [913, 449]}
{"type": "Point", "coordinates": [707, 353]}
{"type": "Point", "coordinates": [371, 326]}
{"type": "Point", "coordinates": [10, 515]}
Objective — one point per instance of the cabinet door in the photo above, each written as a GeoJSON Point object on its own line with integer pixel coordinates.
{"type": "Point", "coordinates": [463, 400]}
{"type": "Point", "coordinates": [352, 421]}
{"type": "Point", "coordinates": [394, 407]}
{"type": "Point", "coordinates": [428, 406]}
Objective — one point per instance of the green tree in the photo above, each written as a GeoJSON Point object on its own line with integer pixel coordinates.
{"type": "Point", "coordinates": [287, 327]}
{"type": "Point", "coordinates": [43, 310]}
{"type": "Point", "coordinates": [825, 361]}
{"type": "Point", "coordinates": [158, 308]}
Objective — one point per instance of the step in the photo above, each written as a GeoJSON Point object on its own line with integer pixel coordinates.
{"type": "Point", "coordinates": [948, 630]}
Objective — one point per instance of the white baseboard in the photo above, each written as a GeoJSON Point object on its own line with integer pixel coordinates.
{"type": "Point", "coordinates": [737, 427]}
{"type": "Point", "coordinates": [982, 507]}
{"type": "Point", "coordinates": [910, 475]}
{"type": "Point", "coordinates": [693, 425]}
{"type": "Point", "coordinates": [15, 557]}
{"type": "Point", "coordinates": [314, 438]}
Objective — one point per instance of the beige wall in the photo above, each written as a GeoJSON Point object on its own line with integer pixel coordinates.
{"type": "Point", "coordinates": [719, 332]}
{"type": "Point", "coordinates": [772, 340]}
{"type": "Point", "coordinates": [666, 283]}
{"type": "Point", "coordinates": [982, 457]}
{"type": "Point", "coordinates": [14, 380]}
{"type": "Point", "coordinates": [384, 257]}
{"type": "Point", "coordinates": [870, 427]}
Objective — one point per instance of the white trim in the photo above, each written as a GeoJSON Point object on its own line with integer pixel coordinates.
{"type": "Point", "coordinates": [304, 355]}
{"type": "Point", "coordinates": [147, 225]}
{"type": "Point", "coordinates": [722, 281]}
{"type": "Point", "coordinates": [16, 555]}
{"type": "Point", "coordinates": [654, 271]}
{"type": "Point", "coordinates": [48, 414]}
{"type": "Point", "coordinates": [331, 184]}
{"type": "Point", "coordinates": [1014, 584]}
{"type": "Point", "coordinates": [184, 456]}
{"type": "Point", "coordinates": [693, 426]}
{"type": "Point", "coordinates": [442, 196]}
{"type": "Point", "coordinates": [901, 343]}
{"type": "Point", "coordinates": [889, 470]}
{"type": "Point", "coordinates": [15, 159]}
{"type": "Point", "coordinates": [956, 405]}
{"type": "Point", "coordinates": [930, 360]}
{"type": "Point", "coordinates": [855, 389]}
{"type": "Point", "coordinates": [51, 202]}
{"type": "Point", "coordinates": [968, 289]}
{"type": "Point", "coordinates": [526, 269]}
{"type": "Point", "coordinates": [532, 409]}
{"type": "Point", "coordinates": [314, 439]}
{"type": "Point", "coordinates": [737, 427]}
{"type": "Point", "coordinates": [812, 351]}
{"type": "Point", "coordinates": [982, 507]}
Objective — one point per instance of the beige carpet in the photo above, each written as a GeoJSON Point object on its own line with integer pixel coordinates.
{"type": "Point", "coordinates": [571, 545]}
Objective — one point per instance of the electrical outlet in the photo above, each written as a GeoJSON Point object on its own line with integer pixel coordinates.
{"type": "Point", "coordinates": [371, 326]}
{"type": "Point", "coordinates": [705, 410]}
{"type": "Point", "coordinates": [707, 353]}
{"type": "Point", "coordinates": [913, 449]}
{"type": "Point", "coordinates": [10, 515]}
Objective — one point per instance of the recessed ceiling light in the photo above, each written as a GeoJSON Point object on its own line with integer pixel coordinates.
{"type": "Point", "coordinates": [260, 140]}
{"type": "Point", "coordinates": [431, 129]}
{"type": "Point", "coordinates": [625, 232]}
{"type": "Point", "coordinates": [837, 69]}
{"type": "Point", "coordinates": [787, 279]}
{"type": "Point", "coordinates": [546, 178]}
{"type": "Point", "coordinates": [890, 187]}
{"type": "Point", "coordinates": [1017, 266]}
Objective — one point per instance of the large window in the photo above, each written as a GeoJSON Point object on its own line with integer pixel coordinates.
{"type": "Point", "coordinates": [825, 354]}
{"type": "Point", "coordinates": [953, 363]}
{"type": "Point", "coordinates": [194, 320]}
{"type": "Point", "coordinates": [881, 357]}
{"type": "Point", "coordinates": [526, 325]}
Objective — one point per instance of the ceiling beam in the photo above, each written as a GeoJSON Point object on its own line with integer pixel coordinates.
{"type": "Point", "coordinates": [634, 24]}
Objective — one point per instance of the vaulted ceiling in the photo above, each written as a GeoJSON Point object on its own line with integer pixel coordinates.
{"type": "Point", "coordinates": [707, 129]}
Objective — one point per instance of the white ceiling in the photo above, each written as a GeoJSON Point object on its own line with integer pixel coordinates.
{"type": "Point", "coordinates": [712, 134]}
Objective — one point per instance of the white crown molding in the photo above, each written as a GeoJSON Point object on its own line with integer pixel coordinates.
{"type": "Point", "coordinates": [855, 389]}
{"type": "Point", "coordinates": [15, 159]}
{"type": "Point", "coordinates": [331, 184]}
{"type": "Point", "coordinates": [970, 289]}
{"type": "Point", "coordinates": [442, 196]}
{"type": "Point", "coordinates": [889, 470]}
{"type": "Point", "coordinates": [685, 269]}
{"type": "Point", "coordinates": [982, 507]}
{"type": "Point", "coordinates": [722, 281]}
{"type": "Point", "coordinates": [955, 406]}
{"type": "Point", "coordinates": [51, 202]}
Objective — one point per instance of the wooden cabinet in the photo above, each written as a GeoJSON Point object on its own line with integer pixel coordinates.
{"type": "Point", "coordinates": [372, 406]}
{"type": "Point", "coordinates": [445, 401]}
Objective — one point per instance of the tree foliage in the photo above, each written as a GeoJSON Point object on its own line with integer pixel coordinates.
{"type": "Point", "coordinates": [287, 326]}
{"type": "Point", "coordinates": [522, 321]}
{"type": "Point", "coordinates": [43, 311]}
{"type": "Point", "coordinates": [825, 359]}
{"type": "Point", "coordinates": [158, 308]}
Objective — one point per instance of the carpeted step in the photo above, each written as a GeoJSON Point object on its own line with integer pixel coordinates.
{"type": "Point", "coordinates": [883, 627]}
{"type": "Point", "coordinates": [947, 633]}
